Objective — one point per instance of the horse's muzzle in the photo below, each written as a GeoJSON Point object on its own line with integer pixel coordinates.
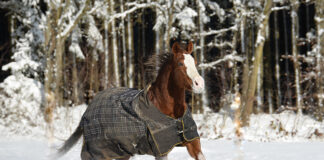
{"type": "Point", "coordinates": [198, 85]}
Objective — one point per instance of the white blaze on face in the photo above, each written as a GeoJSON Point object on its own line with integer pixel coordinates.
{"type": "Point", "coordinates": [198, 85]}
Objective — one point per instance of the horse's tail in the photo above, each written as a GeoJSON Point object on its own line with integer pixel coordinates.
{"type": "Point", "coordinates": [68, 144]}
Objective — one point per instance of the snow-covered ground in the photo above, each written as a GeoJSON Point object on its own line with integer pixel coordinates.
{"type": "Point", "coordinates": [283, 136]}
{"type": "Point", "coordinates": [31, 149]}
{"type": "Point", "coordinates": [286, 126]}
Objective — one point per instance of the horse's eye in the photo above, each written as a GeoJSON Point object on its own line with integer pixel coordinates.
{"type": "Point", "coordinates": [180, 64]}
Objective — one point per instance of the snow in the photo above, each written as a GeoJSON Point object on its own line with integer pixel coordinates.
{"type": "Point", "coordinates": [218, 10]}
{"type": "Point", "coordinates": [260, 37]}
{"type": "Point", "coordinates": [94, 36]}
{"type": "Point", "coordinates": [286, 126]}
{"type": "Point", "coordinates": [321, 32]}
{"type": "Point", "coordinates": [72, 20]}
{"type": "Point", "coordinates": [185, 18]}
{"type": "Point", "coordinates": [23, 61]}
{"type": "Point", "coordinates": [160, 20]}
{"type": "Point", "coordinates": [75, 47]}
{"type": "Point", "coordinates": [20, 99]}
{"type": "Point", "coordinates": [229, 57]}
{"type": "Point", "coordinates": [280, 8]}
{"type": "Point", "coordinates": [269, 136]}
{"type": "Point", "coordinates": [31, 149]}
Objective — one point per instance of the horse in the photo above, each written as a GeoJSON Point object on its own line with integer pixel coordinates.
{"type": "Point", "coordinates": [121, 122]}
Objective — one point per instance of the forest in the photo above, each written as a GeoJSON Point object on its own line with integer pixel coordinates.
{"type": "Point", "coordinates": [256, 56]}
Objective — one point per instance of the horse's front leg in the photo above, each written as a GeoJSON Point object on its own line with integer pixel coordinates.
{"type": "Point", "coordinates": [194, 150]}
{"type": "Point", "coordinates": [162, 157]}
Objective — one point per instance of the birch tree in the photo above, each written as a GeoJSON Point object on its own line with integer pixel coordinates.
{"type": "Point", "coordinates": [319, 18]}
{"type": "Point", "coordinates": [62, 19]}
{"type": "Point", "coordinates": [294, 34]}
{"type": "Point", "coordinates": [122, 28]}
{"type": "Point", "coordinates": [248, 106]}
{"type": "Point", "coordinates": [130, 48]}
{"type": "Point", "coordinates": [114, 44]}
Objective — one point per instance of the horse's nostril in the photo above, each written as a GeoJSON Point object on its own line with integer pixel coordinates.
{"type": "Point", "coordinates": [196, 83]}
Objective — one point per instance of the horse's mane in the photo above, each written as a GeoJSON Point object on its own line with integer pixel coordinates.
{"type": "Point", "coordinates": [153, 65]}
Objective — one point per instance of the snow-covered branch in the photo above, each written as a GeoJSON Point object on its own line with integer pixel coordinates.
{"type": "Point", "coordinates": [136, 7]}
{"type": "Point", "coordinates": [74, 21]}
{"type": "Point", "coordinates": [280, 8]}
{"type": "Point", "coordinates": [230, 57]}
{"type": "Point", "coordinates": [221, 45]}
{"type": "Point", "coordinates": [221, 31]}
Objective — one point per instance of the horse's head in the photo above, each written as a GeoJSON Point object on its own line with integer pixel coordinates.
{"type": "Point", "coordinates": [184, 72]}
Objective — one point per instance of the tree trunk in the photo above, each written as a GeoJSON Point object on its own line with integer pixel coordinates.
{"type": "Point", "coordinates": [169, 25]}
{"type": "Point", "coordinates": [294, 37]}
{"type": "Point", "coordinates": [106, 45]}
{"type": "Point", "coordinates": [319, 55]}
{"type": "Point", "coordinates": [130, 47]}
{"type": "Point", "coordinates": [277, 66]}
{"type": "Point", "coordinates": [143, 53]}
{"type": "Point", "coordinates": [256, 64]}
{"type": "Point", "coordinates": [123, 44]}
{"type": "Point", "coordinates": [204, 96]}
{"type": "Point", "coordinates": [114, 45]}
{"type": "Point", "coordinates": [59, 71]}
{"type": "Point", "coordinates": [75, 81]}
{"type": "Point", "coordinates": [287, 72]}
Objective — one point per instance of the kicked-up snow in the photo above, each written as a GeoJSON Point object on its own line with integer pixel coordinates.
{"type": "Point", "coordinates": [31, 149]}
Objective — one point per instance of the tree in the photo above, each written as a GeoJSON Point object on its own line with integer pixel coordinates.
{"type": "Point", "coordinates": [248, 102]}
{"type": "Point", "coordinates": [319, 55]}
{"type": "Point", "coordinates": [294, 18]}
{"type": "Point", "coordinates": [60, 25]}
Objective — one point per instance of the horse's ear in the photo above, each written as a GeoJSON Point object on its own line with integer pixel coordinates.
{"type": "Point", "coordinates": [190, 48]}
{"type": "Point", "coordinates": [176, 48]}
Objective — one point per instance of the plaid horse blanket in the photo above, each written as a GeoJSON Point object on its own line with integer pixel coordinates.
{"type": "Point", "coordinates": [130, 124]}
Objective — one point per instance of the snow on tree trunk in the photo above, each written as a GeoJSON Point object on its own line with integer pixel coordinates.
{"type": "Point", "coordinates": [106, 45]}
{"type": "Point", "coordinates": [248, 106]}
{"type": "Point", "coordinates": [130, 52]}
{"type": "Point", "coordinates": [157, 43]}
{"type": "Point", "coordinates": [294, 37]}
{"type": "Point", "coordinates": [114, 45]}
{"type": "Point", "coordinates": [259, 87]}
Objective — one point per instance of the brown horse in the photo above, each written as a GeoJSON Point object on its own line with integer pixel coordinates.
{"type": "Point", "coordinates": [177, 74]}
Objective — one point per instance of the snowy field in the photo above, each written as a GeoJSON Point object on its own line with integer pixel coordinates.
{"type": "Point", "coordinates": [281, 136]}
{"type": "Point", "coordinates": [29, 149]}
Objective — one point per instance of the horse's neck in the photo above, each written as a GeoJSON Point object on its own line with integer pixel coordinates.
{"type": "Point", "coordinates": [169, 99]}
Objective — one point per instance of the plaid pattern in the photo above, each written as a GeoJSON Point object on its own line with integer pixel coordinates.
{"type": "Point", "coordinates": [111, 114]}
{"type": "Point", "coordinates": [130, 124]}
